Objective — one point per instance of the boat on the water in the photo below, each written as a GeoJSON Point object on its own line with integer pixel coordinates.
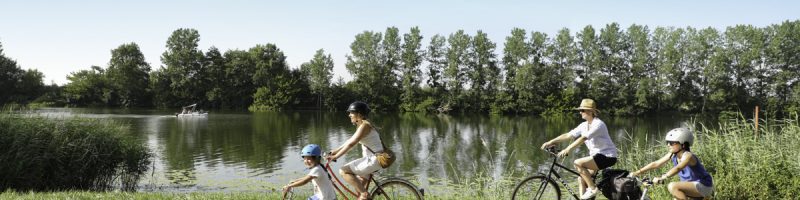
{"type": "Point", "coordinates": [191, 111]}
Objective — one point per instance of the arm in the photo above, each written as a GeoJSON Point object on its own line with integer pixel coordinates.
{"type": "Point", "coordinates": [569, 148]}
{"type": "Point", "coordinates": [561, 138]}
{"type": "Point", "coordinates": [298, 182]}
{"type": "Point", "coordinates": [687, 157]}
{"type": "Point", "coordinates": [362, 131]}
{"type": "Point", "coordinates": [653, 165]}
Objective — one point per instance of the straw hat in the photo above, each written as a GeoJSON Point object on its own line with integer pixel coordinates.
{"type": "Point", "coordinates": [588, 104]}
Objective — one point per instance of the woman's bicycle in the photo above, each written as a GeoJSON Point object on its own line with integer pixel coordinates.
{"type": "Point", "coordinates": [386, 188]}
{"type": "Point", "coordinates": [543, 185]}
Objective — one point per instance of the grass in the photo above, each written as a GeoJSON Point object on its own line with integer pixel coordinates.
{"type": "Point", "coordinates": [52, 154]}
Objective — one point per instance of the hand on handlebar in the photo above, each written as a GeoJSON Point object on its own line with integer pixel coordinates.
{"type": "Point", "coordinates": [328, 156]}
{"type": "Point", "coordinates": [563, 153]}
{"type": "Point", "coordinates": [547, 145]}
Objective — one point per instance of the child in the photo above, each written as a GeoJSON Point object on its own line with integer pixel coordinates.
{"type": "Point", "coordinates": [323, 187]}
{"type": "Point", "coordinates": [695, 180]}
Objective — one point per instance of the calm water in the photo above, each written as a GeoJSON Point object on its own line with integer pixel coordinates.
{"type": "Point", "coordinates": [260, 151]}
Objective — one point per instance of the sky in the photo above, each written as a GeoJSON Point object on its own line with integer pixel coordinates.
{"type": "Point", "coordinates": [60, 37]}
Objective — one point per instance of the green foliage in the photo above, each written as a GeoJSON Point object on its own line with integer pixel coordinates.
{"type": "Point", "coordinates": [130, 74]}
{"type": "Point", "coordinates": [412, 59]}
{"type": "Point", "coordinates": [319, 71]}
{"type": "Point", "coordinates": [87, 87]}
{"type": "Point", "coordinates": [44, 154]}
{"type": "Point", "coordinates": [19, 86]}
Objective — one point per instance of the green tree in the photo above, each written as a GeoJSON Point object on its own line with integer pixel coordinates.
{"type": "Point", "coordinates": [515, 55]}
{"type": "Point", "coordinates": [640, 83]}
{"type": "Point", "coordinates": [128, 75]}
{"type": "Point", "coordinates": [564, 58]}
{"type": "Point", "coordinates": [454, 74]}
{"type": "Point", "coordinates": [183, 73]}
{"type": "Point", "coordinates": [482, 72]}
{"type": "Point", "coordinates": [371, 73]}
{"type": "Point", "coordinates": [276, 86]}
{"type": "Point", "coordinates": [612, 71]}
{"type": "Point", "coordinates": [412, 59]}
{"type": "Point", "coordinates": [437, 62]}
{"type": "Point", "coordinates": [216, 78]}
{"type": "Point", "coordinates": [588, 65]}
{"type": "Point", "coordinates": [319, 71]}
{"type": "Point", "coordinates": [239, 87]}
{"type": "Point", "coordinates": [87, 87]}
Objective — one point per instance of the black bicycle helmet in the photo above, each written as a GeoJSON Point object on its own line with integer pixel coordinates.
{"type": "Point", "coordinates": [358, 107]}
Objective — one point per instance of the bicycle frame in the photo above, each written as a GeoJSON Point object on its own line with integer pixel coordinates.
{"type": "Point", "coordinates": [369, 181]}
{"type": "Point", "coordinates": [553, 172]}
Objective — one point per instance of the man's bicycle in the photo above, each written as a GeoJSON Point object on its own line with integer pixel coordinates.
{"type": "Point", "coordinates": [543, 185]}
{"type": "Point", "coordinates": [386, 188]}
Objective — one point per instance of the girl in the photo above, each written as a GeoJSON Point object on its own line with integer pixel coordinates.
{"type": "Point", "coordinates": [323, 187]}
{"type": "Point", "coordinates": [695, 180]}
{"type": "Point", "coordinates": [602, 151]}
{"type": "Point", "coordinates": [370, 141]}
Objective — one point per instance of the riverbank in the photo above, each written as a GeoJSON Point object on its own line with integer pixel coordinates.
{"type": "Point", "coordinates": [745, 164]}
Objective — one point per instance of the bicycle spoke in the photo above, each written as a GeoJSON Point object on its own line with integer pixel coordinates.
{"type": "Point", "coordinates": [536, 187]}
{"type": "Point", "coordinates": [395, 189]}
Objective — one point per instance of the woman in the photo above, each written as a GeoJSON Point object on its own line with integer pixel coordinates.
{"type": "Point", "coordinates": [695, 180]}
{"type": "Point", "coordinates": [357, 172]}
{"type": "Point", "coordinates": [602, 151]}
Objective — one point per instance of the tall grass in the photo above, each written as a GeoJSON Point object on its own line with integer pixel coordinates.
{"type": "Point", "coordinates": [46, 154]}
{"type": "Point", "coordinates": [743, 164]}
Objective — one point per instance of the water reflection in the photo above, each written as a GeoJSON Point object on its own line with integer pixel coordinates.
{"type": "Point", "coordinates": [255, 151]}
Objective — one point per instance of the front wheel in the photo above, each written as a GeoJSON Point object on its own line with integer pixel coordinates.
{"type": "Point", "coordinates": [536, 187]}
{"type": "Point", "coordinates": [395, 188]}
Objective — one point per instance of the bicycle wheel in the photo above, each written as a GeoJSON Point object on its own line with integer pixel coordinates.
{"type": "Point", "coordinates": [395, 188]}
{"type": "Point", "coordinates": [536, 187]}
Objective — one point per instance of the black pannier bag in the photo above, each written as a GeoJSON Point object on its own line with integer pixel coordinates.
{"type": "Point", "coordinates": [615, 184]}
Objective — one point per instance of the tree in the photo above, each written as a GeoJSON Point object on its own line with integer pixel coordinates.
{"type": "Point", "coordinates": [412, 57]}
{"type": "Point", "coordinates": [368, 65]}
{"type": "Point", "coordinates": [18, 86]}
{"type": "Point", "coordinates": [437, 62]}
{"type": "Point", "coordinates": [319, 71]}
{"type": "Point", "coordinates": [589, 63]}
{"type": "Point", "coordinates": [183, 71]}
{"type": "Point", "coordinates": [128, 76]}
{"type": "Point", "coordinates": [564, 58]}
{"type": "Point", "coordinates": [87, 87]}
{"type": "Point", "coordinates": [215, 73]}
{"type": "Point", "coordinates": [457, 58]}
{"type": "Point", "coordinates": [482, 73]}
{"type": "Point", "coordinates": [276, 85]}
{"type": "Point", "coordinates": [515, 55]}
{"type": "Point", "coordinates": [640, 82]}
{"type": "Point", "coordinates": [612, 72]}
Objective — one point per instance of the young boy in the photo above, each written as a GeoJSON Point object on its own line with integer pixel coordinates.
{"type": "Point", "coordinates": [323, 187]}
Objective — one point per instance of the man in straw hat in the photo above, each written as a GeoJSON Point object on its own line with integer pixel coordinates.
{"type": "Point", "coordinates": [602, 151]}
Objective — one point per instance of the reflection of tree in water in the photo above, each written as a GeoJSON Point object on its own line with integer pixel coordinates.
{"type": "Point", "coordinates": [272, 133]}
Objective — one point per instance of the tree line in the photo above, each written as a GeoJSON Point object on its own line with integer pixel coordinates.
{"type": "Point", "coordinates": [629, 71]}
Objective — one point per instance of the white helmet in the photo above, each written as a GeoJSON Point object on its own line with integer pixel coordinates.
{"type": "Point", "coordinates": [682, 135]}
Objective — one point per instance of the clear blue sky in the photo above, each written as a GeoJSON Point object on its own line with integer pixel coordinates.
{"type": "Point", "coordinates": [59, 37]}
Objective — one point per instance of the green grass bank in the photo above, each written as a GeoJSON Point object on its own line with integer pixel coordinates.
{"type": "Point", "coordinates": [54, 154]}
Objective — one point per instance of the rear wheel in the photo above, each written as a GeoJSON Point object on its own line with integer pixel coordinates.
{"type": "Point", "coordinates": [536, 187]}
{"type": "Point", "coordinates": [395, 188]}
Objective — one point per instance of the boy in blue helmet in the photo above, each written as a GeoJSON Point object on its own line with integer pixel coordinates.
{"type": "Point", "coordinates": [323, 187]}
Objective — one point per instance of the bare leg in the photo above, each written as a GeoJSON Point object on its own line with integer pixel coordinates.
{"type": "Point", "coordinates": [354, 181]}
{"type": "Point", "coordinates": [679, 190]}
{"type": "Point", "coordinates": [586, 167]}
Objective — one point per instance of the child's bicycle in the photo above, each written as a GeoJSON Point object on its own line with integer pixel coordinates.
{"type": "Point", "coordinates": [543, 186]}
{"type": "Point", "coordinates": [387, 188]}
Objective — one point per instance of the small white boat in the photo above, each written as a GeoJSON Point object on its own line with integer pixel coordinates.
{"type": "Point", "coordinates": [190, 111]}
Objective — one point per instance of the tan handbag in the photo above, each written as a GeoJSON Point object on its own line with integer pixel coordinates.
{"type": "Point", "coordinates": [385, 158]}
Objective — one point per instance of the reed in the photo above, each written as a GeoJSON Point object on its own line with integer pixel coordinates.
{"type": "Point", "coordinates": [744, 165]}
{"type": "Point", "coordinates": [52, 154]}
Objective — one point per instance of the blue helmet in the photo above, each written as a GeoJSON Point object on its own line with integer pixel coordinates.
{"type": "Point", "coordinates": [311, 150]}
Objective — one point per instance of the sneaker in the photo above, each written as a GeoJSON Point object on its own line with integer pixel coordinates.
{"type": "Point", "coordinates": [589, 193]}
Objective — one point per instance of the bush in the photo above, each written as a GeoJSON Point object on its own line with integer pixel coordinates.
{"type": "Point", "coordinates": [45, 154]}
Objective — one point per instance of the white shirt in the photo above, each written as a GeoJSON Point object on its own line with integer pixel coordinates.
{"type": "Point", "coordinates": [323, 187]}
{"type": "Point", "coordinates": [371, 141]}
{"type": "Point", "coordinates": [597, 139]}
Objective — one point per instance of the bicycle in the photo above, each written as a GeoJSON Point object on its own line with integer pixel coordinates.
{"type": "Point", "coordinates": [387, 188]}
{"type": "Point", "coordinates": [536, 186]}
